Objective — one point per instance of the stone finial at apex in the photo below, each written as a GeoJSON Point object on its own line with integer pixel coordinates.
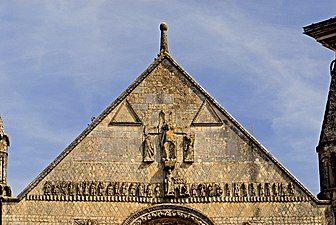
{"type": "Point", "coordinates": [164, 38]}
{"type": "Point", "coordinates": [2, 129]}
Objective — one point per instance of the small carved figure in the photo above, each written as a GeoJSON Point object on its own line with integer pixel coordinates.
{"type": "Point", "coordinates": [243, 190]}
{"type": "Point", "coordinates": [251, 189]}
{"type": "Point", "coordinates": [86, 188]}
{"type": "Point", "coordinates": [100, 188]}
{"type": "Point", "coordinates": [275, 190]}
{"type": "Point", "coordinates": [201, 188]}
{"type": "Point", "coordinates": [282, 189]}
{"type": "Point", "coordinates": [267, 189]}
{"type": "Point", "coordinates": [80, 188]}
{"type": "Point", "coordinates": [132, 189]}
{"type": "Point", "coordinates": [47, 188]}
{"type": "Point", "coordinates": [72, 189]}
{"type": "Point", "coordinates": [185, 190]}
{"type": "Point", "coordinates": [148, 149]}
{"type": "Point", "coordinates": [188, 147]}
{"type": "Point", "coordinates": [169, 184]}
{"type": "Point", "coordinates": [56, 189]}
{"type": "Point", "coordinates": [64, 188]}
{"type": "Point", "coordinates": [141, 190]}
{"type": "Point", "coordinates": [157, 190]}
{"type": "Point", "coordinates": [123, 188]}
{"type": "Point", "coordinates": [194, 190]}
{"type": "Point", "coordinates": [149, 190]}
{"type": "Point", "coordinates": [227, 190]}
{"type": "Point", "coordinates": [235, 190]}
{"type": "Point", "coordinates": [218, 190]}
{"type": "Point", "coordinates": [93, 189]}
{"type": "Point", "coordinates": [116, 188]}
{"type": "Point", "coordinates": [110, 189]}
{"type": "Point", "coordinates": [290, 188]}
{"type": "Point", "coordinates": [210, 190]}
{"type": "Point", "coordinates": [260, 190]}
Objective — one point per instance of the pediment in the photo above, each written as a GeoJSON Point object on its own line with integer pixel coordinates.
{"type": "Point", "coordinates": [182, 137]}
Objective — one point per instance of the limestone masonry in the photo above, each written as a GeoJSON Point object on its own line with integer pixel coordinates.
{"type": "Point", "coordinates": [165, 152]}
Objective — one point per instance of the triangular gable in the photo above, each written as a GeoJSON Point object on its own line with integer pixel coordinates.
{"type": "Point", "coordinates": [125, 116]}
{"type": "Point", "coordinates": [121, 98]}
{"type": "Point", "coordinates": [206, 116]}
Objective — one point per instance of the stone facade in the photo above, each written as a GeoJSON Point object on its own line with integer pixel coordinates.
{"type": "Point", "coordinates": [165, 152]}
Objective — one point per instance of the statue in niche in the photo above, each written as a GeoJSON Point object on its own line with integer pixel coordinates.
{"type": "Point", "coordinates": [149, 190]}
{"type": "Point", "coordinates": [267, 189]}
{"type": "Point", "coordinates": [188, 148]}
{"type": "Point", "coordinates": [72, 189]}
{"type": "Point", "coordinates": [251, 188]}
{"type": "Point", "coordinates": [281, 189]}
{"type": "Point", "coordinates": [235, 190]}
{"type": "Point", "coordinates": [260, 190]}
{"type": "Point", "coordinates": [227, 189]}
{"type": "Point", "coordinates": [157, 190]}
{"type": "Point", "coordinates": [132, 189]}
{"type": "Point", "coordinates": [243, 190]}
{"type": "Point", "coordinates": [168, 140]}
{"type": "Point", "coordinates": [290, 189]}
{"type": "Point", "coordinates": [275, 189]}
{"type": "Point", "coordinates": [148, 149]}
{"type": "Point", "coordinates": [210, 190]}
{"type": "Point", "coordinates": [116, 188]}
{"type": "Point", "coordinates": [169, 184]}
{"type": "Point", "coordinates": [93, 190]}
{"type": "Point", "coordinates": [194, 190]}
{"type": "Point", "coordinates": [218, 190]}
{"type": "Point", "coordinates": [100, 188]}
{"type": "Point", "coordinates": [141, 190]}
{"type": "Point", "coordinates": [86, 190]}
{"type": "Point", "coordinates": [47, 188]}
{"type": "Point", "coordinates": [110, 189]}
{"type": "Point", "coordinates": [123, 189]}
{"type": "Point", "coordinates": [201, 188]}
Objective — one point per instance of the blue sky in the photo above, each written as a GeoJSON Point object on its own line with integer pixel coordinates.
{"type": "Point", "coordinates": [63, 62]}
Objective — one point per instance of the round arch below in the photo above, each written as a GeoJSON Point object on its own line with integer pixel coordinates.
{"type": "Point", "coordinates": [168, 214]}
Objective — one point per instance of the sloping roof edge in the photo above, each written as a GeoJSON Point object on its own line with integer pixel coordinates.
{"type": "Point", "coordinates": [151, 67]}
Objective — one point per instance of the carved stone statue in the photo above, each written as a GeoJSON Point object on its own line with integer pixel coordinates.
{"type": "Point", "coordinates": [168, 140]}
{"type": "Point", "coordinates": [148, 149]}
{"type": "Point", "coordinates": [132, 189]}
{"type": "Point", "coordinates": [157, 190]}
{"type": "Point", "coordinates": [188, 147]}
{"type": "Point", "coordinates": [260, 190]}
{"type": "Point", "coordinates": [194, 190]}
{"type": "Point", "coordinates": [141, 190]}
{"type": "Point", "coordinates": [169, 184]}
{"type": "Point", "coordinates": [149, 190]}
{"type": "Point", "coordinates": [251, 189]}
{"type": "Point", "coordinates": [47, 188]}
{"type": "Point", "coordinates": [235, 190]}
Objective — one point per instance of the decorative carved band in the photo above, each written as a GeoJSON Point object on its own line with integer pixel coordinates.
{"type": "Point", "coordinates": [167, 211]}
{"type": "Point", "coordinates": [179, 191]}
{"type": "Point", "coordinates": [166, 200]}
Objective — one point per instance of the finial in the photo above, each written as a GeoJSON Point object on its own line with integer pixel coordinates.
{"type": "Point", "coordinates": [2, 129]}
{"type": "Point", "coordinates": [164, 39]}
